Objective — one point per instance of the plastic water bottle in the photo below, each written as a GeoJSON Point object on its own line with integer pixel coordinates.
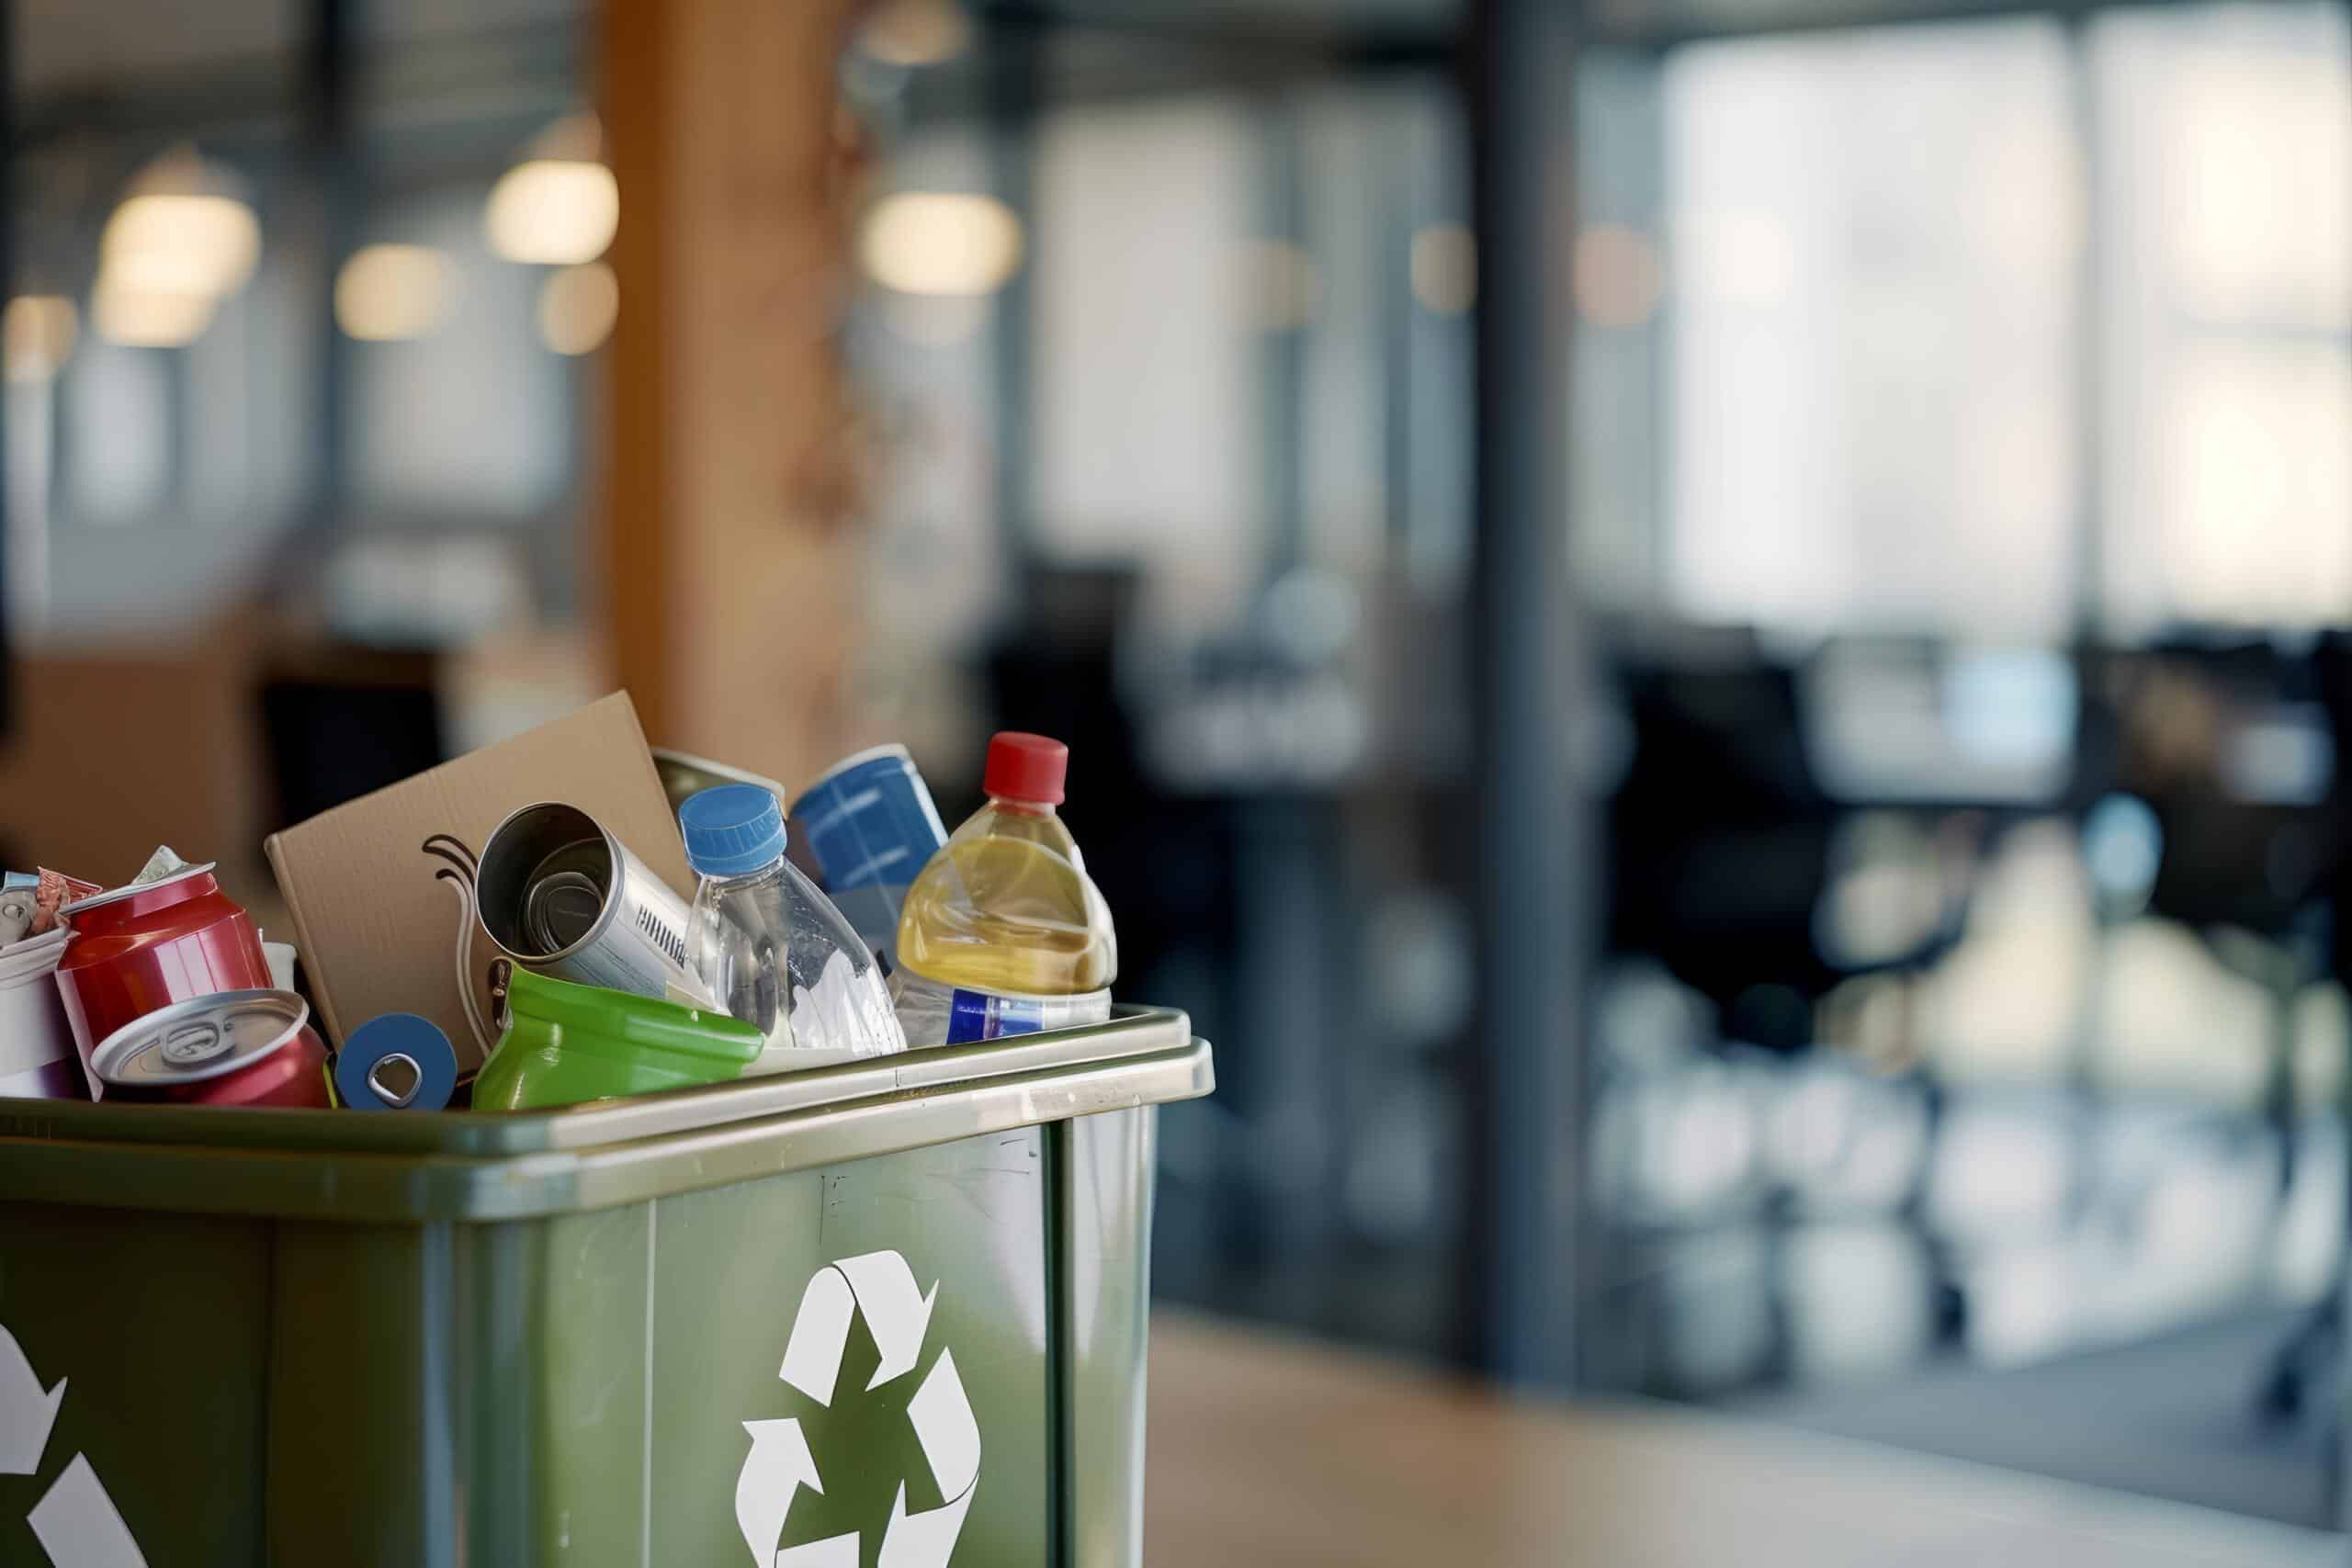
{"type": "Point", "coordinates": [1003, 932]}
{"type": "Point", "coordinates": [771, 948]}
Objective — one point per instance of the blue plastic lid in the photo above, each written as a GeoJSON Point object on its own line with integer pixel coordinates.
{"type": "Point", "coordinates": [429, 1054]}
{"type": "Point", "coordinates": [731, 829]}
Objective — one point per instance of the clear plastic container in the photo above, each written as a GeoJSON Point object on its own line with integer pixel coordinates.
{"type": "Point", "coordinates": [1003, 932]}
{"type": "Point", "coordinates": [773, 949]}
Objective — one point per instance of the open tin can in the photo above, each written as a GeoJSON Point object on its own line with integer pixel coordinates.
{"type": "Point", "coordinates": [560, 893]}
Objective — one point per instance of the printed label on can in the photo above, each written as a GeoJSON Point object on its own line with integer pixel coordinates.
{"type": "Point", "coordinates": [642, 952]}
{"type": "Point", "coordinates": [616, 966]}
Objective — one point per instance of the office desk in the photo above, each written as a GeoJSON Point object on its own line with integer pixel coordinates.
{"type": "Point", "coordinates": [1271, 1451]}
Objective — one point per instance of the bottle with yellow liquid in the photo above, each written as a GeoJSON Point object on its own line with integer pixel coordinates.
{"type": "Point", "coordinates": [1003, 932]}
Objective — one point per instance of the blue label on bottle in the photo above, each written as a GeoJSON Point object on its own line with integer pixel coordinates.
{"type": "Point", "coordinates": [975, 1016]}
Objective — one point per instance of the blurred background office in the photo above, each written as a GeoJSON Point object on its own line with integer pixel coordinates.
{"type": "Point", "coordinates": [1710, 637]}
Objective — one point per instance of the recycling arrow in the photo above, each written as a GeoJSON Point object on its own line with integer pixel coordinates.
{"type": "Point", "coordinates": [75, 1522]}
{"type": "Point", "coordinates": [881, 1288]}
{"type": "Point", "coordinates": [923, 1540]}
{"type": "Point", "coordinates": [879, 1285]}
{"type": "Point", "coordinates": [25, 1413]}
{"type": "Point", "coordinates": [78, 1525]}
{"type": "Point", "coordinates": [778, 1465]}
{"type": "Point", "coordinates": [944, 1424]}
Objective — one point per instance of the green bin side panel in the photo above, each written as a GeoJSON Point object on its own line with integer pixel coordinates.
{"type": "Point", "coordinates": [501, 1385]}
{"type": "Point", "coordinates": [1105, 1259]}
{"type": "Point", "coordinates": [158, 1326]}
{"type": "Point", "coordinates": [573, 1390]}
{"type": "Point", "coordinates": [575, 1393]}
{"type": "Point", "coordinates": [362, 1466]}
{"type": "Point", "coordinates": [589, 1315]}
{"type": "Point", "coordinates": [730, 1268]}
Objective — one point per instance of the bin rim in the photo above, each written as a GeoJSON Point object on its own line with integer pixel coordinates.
{"type": "Point", "coordinates": [1131, 1030]}
{"type": "Point", "coordinates": [423, 1166]}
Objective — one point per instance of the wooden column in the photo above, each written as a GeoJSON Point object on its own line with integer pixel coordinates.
{"type": "Point", "coordinates": [725, 552]}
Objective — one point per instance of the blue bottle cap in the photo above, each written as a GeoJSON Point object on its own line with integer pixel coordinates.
{"type": "Point", "coordinates": [731, 829]}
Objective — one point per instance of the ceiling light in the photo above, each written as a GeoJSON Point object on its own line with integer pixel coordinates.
{"type": "Point", "coordinates": [941, 243]}
{"type": "Point", "coordinates": [386, 293]}
{"type": "Point", "coordinates": [175, 243]}
{"type": "Point", "coordinates": [1618, 275]}
{"type": "Point", "coordinates": [37, 331]}
{"type": "Point", "coordinates": [1445, 268]}
{"type": "Point", "coordinates": [558, 212]}
{"type": "Point", "coordinates": [578, 306]}
{"type": "Point", "coordinates": [147, 318]}
{"type": "Point", "coordinates": [915, 32]}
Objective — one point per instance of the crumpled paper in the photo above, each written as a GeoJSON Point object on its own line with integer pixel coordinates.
{"type": "Point", "coordinates": [160, 865]}
{"type": "Point", "coordinates": [52, 893]}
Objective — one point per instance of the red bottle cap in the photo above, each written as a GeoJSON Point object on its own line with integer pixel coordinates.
{"type": "Point", "coordinates": [1025, 767]}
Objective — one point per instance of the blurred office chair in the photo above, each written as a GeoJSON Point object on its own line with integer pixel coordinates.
{"type": "Point", "coordinates": [1727, 835]}
{"type": "Point", "coordinates": [1721, 835]}
{"type": "Point", "coordinates": [2233, 746]}
{"type": "Point", "coordinates": [2294, 847]}
{"type": "Point", "coordinates": [2236, 746]}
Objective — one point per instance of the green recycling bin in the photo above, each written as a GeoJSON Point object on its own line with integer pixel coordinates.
{"type": "Point", "coordinates": [887, 1314]}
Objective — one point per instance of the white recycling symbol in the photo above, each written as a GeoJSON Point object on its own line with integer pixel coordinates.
{"type": "Point", "coordinates": [881, 1287]}
{"type": "Point", "coordinates": [75, 1522]}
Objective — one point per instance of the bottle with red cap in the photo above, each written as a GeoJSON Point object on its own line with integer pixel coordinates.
{"type": "Point", "coordinates": [1003, 932]}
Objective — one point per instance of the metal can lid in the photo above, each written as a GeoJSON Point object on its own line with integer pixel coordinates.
{"type": "Point", "coordinates": [75, 907]}
{"type": "Point", "coordinates": [203, 1037]}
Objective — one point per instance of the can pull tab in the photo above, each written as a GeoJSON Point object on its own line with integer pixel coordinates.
{"type": "Point", "coordinates": [501, 974]}
{"type": "Point", "coordinates": [394, 1079]}
{"type": "Point", "coordinates": [195, 1043]}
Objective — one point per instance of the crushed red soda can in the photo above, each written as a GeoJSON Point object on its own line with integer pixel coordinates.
{"type": "Point", "coordinates": [139, 947]}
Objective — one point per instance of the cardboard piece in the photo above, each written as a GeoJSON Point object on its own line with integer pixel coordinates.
{"type": "Point", "coordinates": [381, 888]}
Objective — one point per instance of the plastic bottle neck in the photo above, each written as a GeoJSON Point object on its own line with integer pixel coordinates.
{"type": "Point", "coordinates": [1023, 808]}
{"type": "Point", "coordinates": [726, 879]}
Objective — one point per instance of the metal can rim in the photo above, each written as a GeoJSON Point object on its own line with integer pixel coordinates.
{"type": "Point", "coordinates": [614, 849]}
{"type": "Point", "coordinates": [74, 907]}
{"type": "Point", "coordinates": [106, 1055]}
